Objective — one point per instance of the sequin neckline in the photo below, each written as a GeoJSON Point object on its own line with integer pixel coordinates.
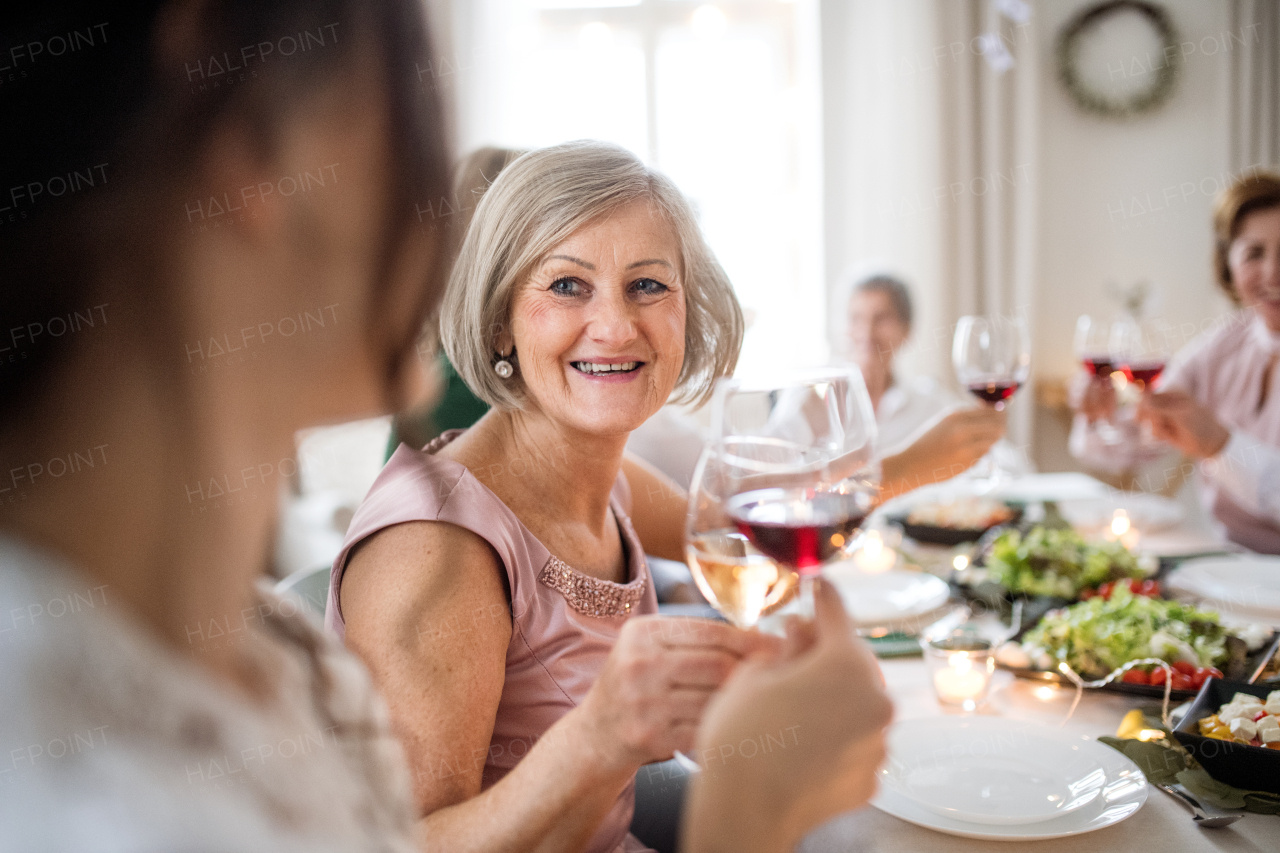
{"type": "Point", "coordinates": [589, 595]}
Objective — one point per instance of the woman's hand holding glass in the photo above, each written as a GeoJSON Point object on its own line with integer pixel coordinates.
{"type": "Point", "coordinates": [649, 699]}
{"type": "Point", "coordinates": [992, 359]}
{"type": "Point", "coordinates": [823, 698]}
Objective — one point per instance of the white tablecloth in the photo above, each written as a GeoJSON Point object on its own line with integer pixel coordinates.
{"type": "Point", "coordinates": [1160, 826]}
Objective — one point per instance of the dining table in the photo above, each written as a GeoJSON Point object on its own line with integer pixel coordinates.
{"type": "Point", "coordinates": [1161, 825]}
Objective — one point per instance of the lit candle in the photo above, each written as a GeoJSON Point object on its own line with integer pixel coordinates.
{"type": "Point", "coordinates": [961, 670]}
{"type": "Point", "coordinates": [1122, 530]}
{"type": "Point", "coordinates": [960, 680]}
{"type": "Point", "coordinates": [874, 556]}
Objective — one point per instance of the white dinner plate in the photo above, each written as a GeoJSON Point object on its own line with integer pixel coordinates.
{"type": "Point", "coordinates": [1148, 513]}
{"type": "Point", "coordinates": [1109, 787]}
{"type": "Point", "coordinates": [991, 771]}
{"type": "Point", "coordinates": [887, 597]}
{"type": "Point", "coordinates": [1248, 582]}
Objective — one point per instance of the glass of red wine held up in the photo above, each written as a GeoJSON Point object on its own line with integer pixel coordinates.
{"type": "Point", "coordinates": [992, 359]}
{"type": "Point", "coordinates": [782, 488]}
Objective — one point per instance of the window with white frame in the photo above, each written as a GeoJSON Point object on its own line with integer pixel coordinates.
{"type": "Point", "coordinates": [722, 97]}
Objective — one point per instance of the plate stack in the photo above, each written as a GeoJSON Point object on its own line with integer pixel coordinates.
{"type": "Point", "coordinates": [1003, 780]}
{"type": "Point", "coordinates": [1242, 588]}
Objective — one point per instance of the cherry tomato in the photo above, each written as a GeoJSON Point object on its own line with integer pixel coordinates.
{"type": "Point", "coordinates": [1105, 590]}
{"type": "Point", "coordinates": [1181, 682]}
{"type": "Point", "coordinates": [1136, 676]}
{"type": "Point", "coordinates": [1212, 672]}
{"type": "Point", "coordinates": [1259, 716]}
{"type": "Point", "coordinates": [1198, 677]}
{"type": "Point", "coordinates": [1149, 588]}
{"type": "Point", "coordinates": [1184, 667]}
{"type": "Point", "coordinates": [1157, 677]}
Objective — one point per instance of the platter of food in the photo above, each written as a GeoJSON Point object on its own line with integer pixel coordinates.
{"type": "Point", "coordinates": [1059, 563]}
{"type": "Point", "coordinates": [1233, 730]}
{"type": "Point", "coordinates": [951, 522]}
{"type": "Point", "coordinates": [1104, 632]}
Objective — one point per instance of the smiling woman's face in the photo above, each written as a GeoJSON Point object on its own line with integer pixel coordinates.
{"type": "Point", "coordinates": [598, 325]}
{"type": "Point", "coordinates": [1254, 261]}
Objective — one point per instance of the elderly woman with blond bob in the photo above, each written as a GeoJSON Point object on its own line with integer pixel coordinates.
{"type": "Point", "coordinates": [495, 580]}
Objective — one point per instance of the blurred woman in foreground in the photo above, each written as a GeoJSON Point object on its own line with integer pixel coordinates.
{"type": "Point", "coordinates": [189, 195]}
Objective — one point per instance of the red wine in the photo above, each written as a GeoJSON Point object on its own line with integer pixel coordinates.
{"type": "Point", "coordinates": [795, 528]}
{"type": "Point", "coordinates": [1098, 365]}
{"type": "Point", "coordinates": [994, 392]}
{"type": "Point", "coordinates": [1145, 372]}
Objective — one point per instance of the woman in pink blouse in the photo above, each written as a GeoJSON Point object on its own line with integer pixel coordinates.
{"type": "Point", "coordinates": [495, 581]}
{"type": "Point", "coordinates": [1218, 401]}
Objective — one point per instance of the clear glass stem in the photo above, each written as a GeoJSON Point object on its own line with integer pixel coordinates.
{"type": "Point", "coordinates": [804, 601]}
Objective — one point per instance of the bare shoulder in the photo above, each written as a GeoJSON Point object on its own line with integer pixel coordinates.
{"type": "Point", "coordinates": [422, 579]}
{"type": "Point", "coordinates": [426, 608]}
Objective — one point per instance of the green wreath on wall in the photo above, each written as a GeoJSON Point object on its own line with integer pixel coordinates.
{"type": "Point", "coordinates": [1100, 103]}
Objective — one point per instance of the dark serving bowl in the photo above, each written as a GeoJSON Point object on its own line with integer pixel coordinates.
{"type": "Point", "coordinates": [1252, 768]}
{"type": "Point", "coordinates": [929, 534]}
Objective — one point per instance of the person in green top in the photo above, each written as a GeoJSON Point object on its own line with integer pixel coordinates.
{"type": "Point", "coordinates": [456, 407]}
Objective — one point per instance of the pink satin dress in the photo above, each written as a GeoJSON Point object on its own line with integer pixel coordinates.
{"type": "Point", "coordinates": [563, 622]}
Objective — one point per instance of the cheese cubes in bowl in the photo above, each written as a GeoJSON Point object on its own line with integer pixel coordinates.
{"type": "Point", "coordinates": [1246, 719]}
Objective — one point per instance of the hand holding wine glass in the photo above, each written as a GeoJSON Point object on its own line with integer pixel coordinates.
{"type": "Point", "coordinates": [826, 694]}
{"type": "Point", "coordinates": [783, 487]}
{"type": "Point", "coordinates": [992, 358]}
{"type": "Point", "coordinates": [1094, 346]}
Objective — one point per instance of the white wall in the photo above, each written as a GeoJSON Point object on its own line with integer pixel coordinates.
{"type": "Point", "coordinates": [1123, 201]}
{"type": "Point", "coordinates": [881, 123]}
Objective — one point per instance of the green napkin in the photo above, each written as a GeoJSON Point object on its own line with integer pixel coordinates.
{"type": "Point", "coordinates": [1166, 762]}
{"type": "Point", "coordinates": [895, 646]}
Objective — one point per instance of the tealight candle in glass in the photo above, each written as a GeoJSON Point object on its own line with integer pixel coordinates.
{"type": "Point", "coordinates": [960, 667]}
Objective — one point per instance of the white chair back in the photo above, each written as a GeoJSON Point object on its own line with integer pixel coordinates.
{"type": "Point", "coordinates": [310, 586]}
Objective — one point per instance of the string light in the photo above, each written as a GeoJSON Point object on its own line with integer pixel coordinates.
{"type": "Point", "coordinates": [1081, 684]}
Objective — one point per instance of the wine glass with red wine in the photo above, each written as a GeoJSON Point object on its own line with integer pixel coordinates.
{"type": "Point", "coordinates": [794, 481]}
{"type": "Point", "coordinates": [1142, 350]}
{"type": "Point", "coordinates": [1098, 343]}
{"type": "Point", "coordinates": [992, 359]}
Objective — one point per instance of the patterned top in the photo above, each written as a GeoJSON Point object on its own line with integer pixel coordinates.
{"type": "Point", "coordinates": [563, 622]}
{"type": "Point", "coordinates": [110, 740]}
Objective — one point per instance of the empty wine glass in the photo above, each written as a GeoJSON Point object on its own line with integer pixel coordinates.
{"type": "Point", "coordinates": [992, 359]}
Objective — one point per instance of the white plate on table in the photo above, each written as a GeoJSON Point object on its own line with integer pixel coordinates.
{"type": "Point", "coordinates": [992, 778]}
{"type": "Point", "coordinates": [1148, 513]}
{"type": "Point", "coordinates": [1248, 583]}
{"type": "Point", "coordinates": [887, 597]}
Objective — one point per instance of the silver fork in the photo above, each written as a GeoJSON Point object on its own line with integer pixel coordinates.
{"type": "Point", "coordinates": [1199, 816]}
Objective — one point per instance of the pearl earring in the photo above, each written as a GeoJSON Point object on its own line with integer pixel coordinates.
{"type": "Point", "coordinates": [503, 368]}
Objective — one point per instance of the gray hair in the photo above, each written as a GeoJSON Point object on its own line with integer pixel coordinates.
{"type": "Point", "coordinates": [895, 288]}
{"type": "Point", "coordinates": [537, 202]}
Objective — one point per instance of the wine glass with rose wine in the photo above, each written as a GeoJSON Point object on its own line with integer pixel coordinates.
{"type": "Point", "coordinates": [992, 359]}
{"type": "Point", "coordinates": [782, 488]}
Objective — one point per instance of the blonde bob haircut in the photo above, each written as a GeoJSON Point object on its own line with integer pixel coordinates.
{"type": "Point", "coordinates": [536, 203]}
